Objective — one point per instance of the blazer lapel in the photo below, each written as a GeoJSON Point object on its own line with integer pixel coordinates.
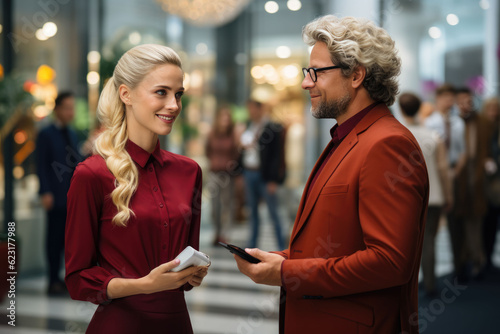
{"type": "Point", "coordinates": [307, 204]}
{"type": "Point", "coordinates": [311, 177]}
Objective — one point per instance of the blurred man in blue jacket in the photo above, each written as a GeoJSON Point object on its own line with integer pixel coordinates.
{"type": "Point", "coordinates": [57, 156]}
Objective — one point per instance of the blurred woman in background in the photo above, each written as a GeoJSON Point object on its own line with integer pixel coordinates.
{"type": "Point", "coordinates": [222, 153]}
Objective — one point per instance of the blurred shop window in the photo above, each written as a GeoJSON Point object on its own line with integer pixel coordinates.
{"type": "Point", "coordinates": [15, 117]}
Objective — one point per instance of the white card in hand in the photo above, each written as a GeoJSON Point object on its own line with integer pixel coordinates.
{"type": "Point", "coordinates": [191, 257]}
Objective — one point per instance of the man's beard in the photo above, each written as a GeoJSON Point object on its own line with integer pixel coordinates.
{"type": "Point", "coordinates": [332, 108]}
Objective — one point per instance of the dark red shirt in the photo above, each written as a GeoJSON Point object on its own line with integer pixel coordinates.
{"type": "Point", "coordinates": [338, 133]}
{"type": "Point", "coordinates": [167, 207]}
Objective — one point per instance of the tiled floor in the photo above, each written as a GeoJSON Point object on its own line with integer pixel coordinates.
{"type": "Point", "coordinates": [226, 303]}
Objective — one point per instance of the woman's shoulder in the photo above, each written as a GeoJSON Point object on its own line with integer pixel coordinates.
{"type": "Point", "coordinates": [94, 166]}
{"type": "Point", "coordinates": [180, 160]}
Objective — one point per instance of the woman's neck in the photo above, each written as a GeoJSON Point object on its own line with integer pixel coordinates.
{"type": "Point", "coordinates": [147, 143]}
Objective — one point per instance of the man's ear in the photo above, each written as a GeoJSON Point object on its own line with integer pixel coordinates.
{"type": "Point", "coordinates": [358, 76]}
{"type": "Point", "coordinates": [124, 94]}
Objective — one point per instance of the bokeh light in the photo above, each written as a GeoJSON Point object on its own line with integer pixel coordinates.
{"type": "Point", "coordinates": [435, 32]}
{"type": "Point", "coordinates": [271, 7]}
{"type": "Point", "coordinates": [49, 29]}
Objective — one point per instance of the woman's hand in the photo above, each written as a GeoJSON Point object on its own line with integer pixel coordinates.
{"type": "Point", "coordinates": [198, 276]}
{"type": "Point", "coordinates": [161, 278]}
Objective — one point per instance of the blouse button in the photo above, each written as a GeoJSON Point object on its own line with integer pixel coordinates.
{"type": "Point", "coordinates": [155, 188]}
{"type": "Point", "coordinates": [150, 169]}
{"type": "Point", "coordinates": [161, 205]}
{"type": "Point", "coordinates": [164, 246]}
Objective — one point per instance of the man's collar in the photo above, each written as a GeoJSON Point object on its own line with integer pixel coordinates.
{"type": "Point", "coordinates": [58, 124]}
{"type": "Point", "coordinates": [346, 127]}
{"type": "Point", "coordinates": [141, 156]}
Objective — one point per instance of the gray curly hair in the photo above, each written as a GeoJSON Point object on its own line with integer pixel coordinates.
{"type": "Point", "coordinates": [356, 42]}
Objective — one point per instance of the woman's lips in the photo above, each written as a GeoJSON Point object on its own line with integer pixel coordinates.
{"type": "Point", "coordinates": [166, 118]}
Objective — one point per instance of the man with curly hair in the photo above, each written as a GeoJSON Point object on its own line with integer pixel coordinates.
{"type": "Point", "coordinates": [354, 254]}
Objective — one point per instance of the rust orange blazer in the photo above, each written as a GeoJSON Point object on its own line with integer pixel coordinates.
{"type": "Point", "coordinates": [354, 255]}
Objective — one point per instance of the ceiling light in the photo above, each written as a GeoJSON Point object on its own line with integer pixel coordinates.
{"type": "Point", "coordinates": [205, 12]}
{"type": "Point", "coordinates": [134, 38]}
{"type": "Point", "coordinates": [289, 71]}
{"type": "Point", "coordinates": [257, 72]}
{"type": "Point", "coordinates": [40, 35]}
{"type": "Point", "coordinates": [452, 19]}
{"type": "Point", "coordinates": [434, 32]}
{"type": "Point", "coordinates": [93, 57]}
{"type": "Point", "coordinates": [283, 52]}
{"type": "Point", "coordinates": [201, 49]}
{"type": "Point", "coordinates": [93, 78]}
{"type": "Point", "coordinates": [484, 4]}
{"type": "Point", "coordinates": [271, 7]}
{"type": "Point", "coordinates": [294, 5]}
{"type": "Point", "coordinates": [49, 29]}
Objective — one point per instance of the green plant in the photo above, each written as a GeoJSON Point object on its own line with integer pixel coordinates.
{"type": "Point", "coordinates": [12, 97]}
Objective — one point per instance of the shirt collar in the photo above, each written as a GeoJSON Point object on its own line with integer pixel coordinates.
{"type": "Point", "coordinates": [141, 156]}
{"type": "Point", "coordinates": [58, 124]}
{"type": "Point", "coordinates": [339, 132]}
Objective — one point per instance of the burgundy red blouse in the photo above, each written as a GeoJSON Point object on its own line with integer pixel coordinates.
{"type": "Point", "coordinates": [167, 207]}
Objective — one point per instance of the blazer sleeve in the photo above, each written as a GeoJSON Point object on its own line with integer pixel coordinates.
{"type": "Point", "coordinates": [194, 231]}
{"type": "Point", "coordinates": [84, 278]}
{"type": "Point", "coordinates": [285, 253]}
{"type": "Point", "coordinates": [393, 196]}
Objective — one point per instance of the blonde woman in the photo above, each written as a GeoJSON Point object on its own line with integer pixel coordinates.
{"type": "Point", "coordinates": [132, 207]}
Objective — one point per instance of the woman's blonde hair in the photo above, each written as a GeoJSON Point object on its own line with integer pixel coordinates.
{"type": "Point", "coordinates": [356, 42]}
{"type": "Point", "coordinates": [130, 70]}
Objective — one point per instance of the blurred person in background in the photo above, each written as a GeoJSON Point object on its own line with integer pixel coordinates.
{"type": "Point", "coordinates": [471, 204]}
{"type": "Point", "coordinates": [88, 146]}
{"type": "Point", "coordinates": [426, 109]}
{"type": "Point", "coordinates": [222, 152]}
{"type": "Point", "coordinates": [56, 157]}
{"type": "Point", "coordinates": [451, 129]}
{"type": "Point", "coordinates": [133, 207]}
{"type": "Point", "coordinates": [354, 255]}
{"type": "Point", "coordinates": [491, 113]}
{"type": "Point", "coordinates": [263, 165]}
{"type": "Point", "coordinates": [440, 192]}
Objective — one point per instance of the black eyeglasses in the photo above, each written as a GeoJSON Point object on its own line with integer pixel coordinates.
{"type": "Point", "coordinates": [313, 71]}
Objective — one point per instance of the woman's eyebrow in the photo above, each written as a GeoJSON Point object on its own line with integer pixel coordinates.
{"type": "Point", "coordinates": [167, 87]}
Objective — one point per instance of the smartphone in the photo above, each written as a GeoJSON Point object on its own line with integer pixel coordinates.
{"type": "Point", "coordinates": [240, 252]}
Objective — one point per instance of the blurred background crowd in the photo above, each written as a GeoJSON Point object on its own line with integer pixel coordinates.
{"type": "Point", "coordinates": [242, 61]}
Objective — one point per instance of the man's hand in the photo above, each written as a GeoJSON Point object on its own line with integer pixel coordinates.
{"type": "Point", "coordinates": [266, 272]}
{"type": "Point", "coordinates": [272, 187]}
{"type": "Point", "coordinates": [47, 201]}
